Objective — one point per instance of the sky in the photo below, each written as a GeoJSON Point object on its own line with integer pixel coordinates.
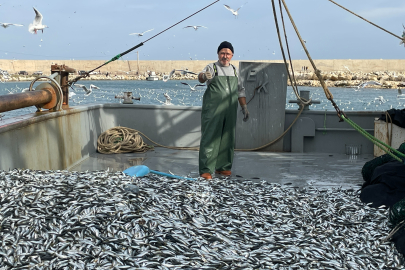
{"type": "Point", "coordinates": [99, 30]}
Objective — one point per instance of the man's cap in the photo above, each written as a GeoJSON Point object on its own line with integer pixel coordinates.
{"type": "Point", "coordinates": [225, 44]}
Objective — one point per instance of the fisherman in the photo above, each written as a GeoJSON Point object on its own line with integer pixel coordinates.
{"type": "Point", "coordinates": [218, 116]}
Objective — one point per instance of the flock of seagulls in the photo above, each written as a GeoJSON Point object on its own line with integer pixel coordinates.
{"type": "Point", "coordinates": [195, 27]}
{"type": "Point", "coordinates": [35, 26]}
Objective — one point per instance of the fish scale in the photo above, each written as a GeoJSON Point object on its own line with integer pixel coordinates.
{"type": "Point", "coordinates": [57, 219]}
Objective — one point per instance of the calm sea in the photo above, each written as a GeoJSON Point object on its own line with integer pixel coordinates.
{"type": "Point", "coordinates": [152, 92]}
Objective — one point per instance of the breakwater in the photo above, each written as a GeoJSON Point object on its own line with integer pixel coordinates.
{"type": "Point", "coordinates": [336, 73]}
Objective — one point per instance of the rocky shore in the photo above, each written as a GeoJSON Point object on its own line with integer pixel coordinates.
{"type": "Point", "coordinates": [386, 79]}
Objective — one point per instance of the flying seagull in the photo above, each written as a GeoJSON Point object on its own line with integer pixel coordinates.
{"type": "Point", "coordinates": [37, 23]}
{"type": "Point", "coordinates": [5, 25]}
{"type": "Point", "coordinates": [234, 12]}
{"type": "Point", "coordinates": [88, 91]}
{"type": "Point", "coordinates": [194, 26]}
{"type": "Point", "coordinates": [167, 77]}
{"type": "Point", "coordinates": [183, 72]}
{"type": "Point", "coordinates": [193, 88]}
{"type": "Point", "coordinates": [168, 100]}
{"type": "Point", "coordinates": [362, 85]}
{"type": "Point", "coordinates": [141, 34]}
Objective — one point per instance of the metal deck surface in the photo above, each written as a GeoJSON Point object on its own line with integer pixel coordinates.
{"type": "Point", "coordinates": [294, 169]}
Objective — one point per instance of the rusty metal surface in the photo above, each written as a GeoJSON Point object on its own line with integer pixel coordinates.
{"type": "Point", "coordinates": [63, 72]}
{"type": "Point", "coordinates": [26, 99]}
{"type": "Point", "coordinates": [51, 89]}
{"type": "Point", "coordinates": [62, 68]}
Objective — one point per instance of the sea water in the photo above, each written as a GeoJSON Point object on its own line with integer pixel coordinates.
{"type": "Point", "coordinates": [152, 92]}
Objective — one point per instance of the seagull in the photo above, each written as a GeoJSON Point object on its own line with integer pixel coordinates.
{"type": "Point", "coordinates": [193, 88]}
{"type": "Point", "coordinates": [88, 91]}
{"type": "Point", "coordinates": [234, 12]}
{"type": "Point", "coordinates": [194, 26]}
{"type": "Point", "coordinates": [167, 77]}
{"type": "Point", "coordinates": [362, 85]}
{"type": "Point", "coordinates": [185, 71]}
{"type": "Point", "coordinates": [5, 25]}
{"type": "Point", "coordinates": [37, 23]}
{"type": "Point", "coordinates": [71, 94]}
{"type": "Point", "coordinates": [168, 100]}
{"type": "Point", "coordinates": [380, 99]}
{"type": "Point", "coordinates": [141, 34]}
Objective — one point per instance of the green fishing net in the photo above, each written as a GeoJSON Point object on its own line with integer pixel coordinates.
{"type": "Point", "coordinates": [368, 168]}
{"type": "Point", "coordinates": [396, 213]}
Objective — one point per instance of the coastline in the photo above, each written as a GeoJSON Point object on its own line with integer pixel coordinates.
{"type": "Point", "coordinates": [385, 79]}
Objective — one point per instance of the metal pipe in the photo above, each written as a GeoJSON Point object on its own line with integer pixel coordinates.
{"type": "Point", "coordinates": [21, 100]}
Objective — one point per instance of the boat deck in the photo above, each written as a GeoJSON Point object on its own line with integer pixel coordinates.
{"type": "Point", "coordinates": [295, 169]}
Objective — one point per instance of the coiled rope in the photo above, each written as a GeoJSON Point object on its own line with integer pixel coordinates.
{"type": "Point", "coordinates": [127, 140]}
{"type": "Point", "coordinates": [121, 140]}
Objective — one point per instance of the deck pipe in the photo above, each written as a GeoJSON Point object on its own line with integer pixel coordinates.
{"type": "Point", "coordinates": [21, 100]}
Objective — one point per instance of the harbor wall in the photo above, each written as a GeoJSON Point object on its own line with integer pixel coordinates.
{"type": "Point", "coordinates": [142, 66]}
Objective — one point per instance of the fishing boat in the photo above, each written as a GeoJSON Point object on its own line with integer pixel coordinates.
{"type": "Point", "coordinates": [80, 210]}
{"type": "Point", "coordinates": [152, 77]}
{"type": "Point", "coordinates": [69, 135]}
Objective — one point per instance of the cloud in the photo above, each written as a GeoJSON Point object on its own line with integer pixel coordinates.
{"type": "Point", "coordinates": [387, 12]}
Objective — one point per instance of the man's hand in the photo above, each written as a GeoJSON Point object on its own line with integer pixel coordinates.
{"type": "Point", "coordinates": [245, 113]}
{"type": "Point", "coordinates": [207, 75]}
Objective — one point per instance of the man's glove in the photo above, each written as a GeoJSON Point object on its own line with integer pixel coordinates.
{"type": "Point", "coordinates": [207, 75]}
{"type": "Point", "coordinates": [245, 113]}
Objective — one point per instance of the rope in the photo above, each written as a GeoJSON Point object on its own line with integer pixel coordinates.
{"type": "Point", "coordinates": [403, 39]}
{"type": "Point", "coordinates": [292, 80]}
{"type": "Point", "coordinates": [388, 149]}
{"type": "Point", "coordinates": [394, 230]}
{"type": "Point", "coordinates": [127, 140]}
{"type": "Point", "coordinates": [389, 134]}
{"type": "Point", "coordinates": [121, 140]}
{"type": "Point", "coordinates": [328, 94]}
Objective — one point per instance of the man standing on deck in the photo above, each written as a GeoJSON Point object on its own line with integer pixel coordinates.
{"type": "Point", "coordinates": [218, 116]}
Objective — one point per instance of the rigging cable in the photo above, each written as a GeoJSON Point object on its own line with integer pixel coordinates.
{"type": "Point", "coordinates": [118, 56]}
{"type": "Point", "coordinates": [401, 38]}
{"type": "Point", "coordinates": [388, 149]}
{"type": "Point", "coordinates": [292, 80]}
{"type": "Point", "coordinates": [328, 94]}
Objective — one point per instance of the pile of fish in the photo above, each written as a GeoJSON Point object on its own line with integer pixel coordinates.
{"type": "Point", "coordinates": [98, 220]}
